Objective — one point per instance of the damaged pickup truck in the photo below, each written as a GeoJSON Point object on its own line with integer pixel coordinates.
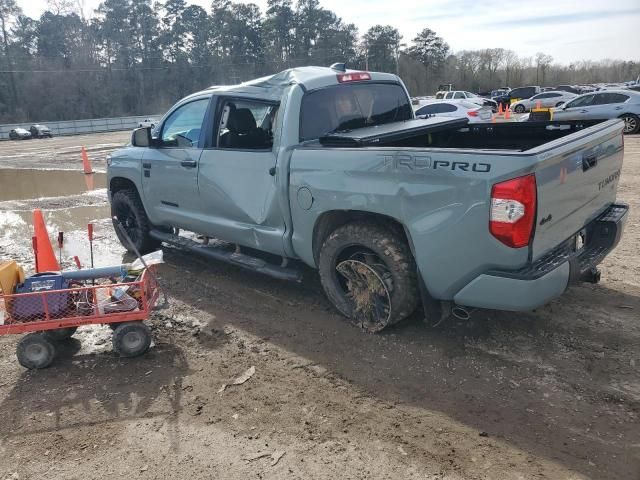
{"type": "Point", "coordinates": [329, 167]}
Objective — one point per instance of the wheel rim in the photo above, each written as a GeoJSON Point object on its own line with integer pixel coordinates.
{"type": "Point", "coordinates": [36, 353]}
{"type": "Point", "coordinates": [366, 283]}
{"type": "Point", "coordinates": [519, 109]}
{"type": "Point", "coordinates": [630, 124]}
{"type": "Point", "coordinates": [132, 341]}
{"type": "Point", "coordinates": [127, 218]}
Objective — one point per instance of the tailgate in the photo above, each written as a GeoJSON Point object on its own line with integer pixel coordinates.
{"type": "Point", "coordinates": [577, 180]}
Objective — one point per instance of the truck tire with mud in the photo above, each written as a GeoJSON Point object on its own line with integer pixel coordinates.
{"type": "Point", "coordinates": [127, 207]}
{"type": "Point", "coordinates": [369, 274]}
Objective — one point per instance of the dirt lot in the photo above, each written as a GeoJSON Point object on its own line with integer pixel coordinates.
{"type": "Point", "coordinates": [552, 394]}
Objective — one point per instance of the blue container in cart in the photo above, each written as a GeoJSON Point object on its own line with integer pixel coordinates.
{"type": "Point", "coordinates": [32, 307]}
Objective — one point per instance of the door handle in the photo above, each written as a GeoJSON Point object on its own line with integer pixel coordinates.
{"type": "Point", "coordinates": [584, 111]}
{"type": "Point", "coordinates": [189, 163]}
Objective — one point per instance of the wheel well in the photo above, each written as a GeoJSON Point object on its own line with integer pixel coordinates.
{"type": "Point", "coordinates": [120, 183]}
{"type": "Point", "coordinates": [329, 221]}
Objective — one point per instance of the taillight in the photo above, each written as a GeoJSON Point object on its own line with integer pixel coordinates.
{"type": "Point", "coordinates": [353, 77]}
{"type": "Point", "coordinates": [472, 113]}
{"type": "Point", "coordinates": [513, 211]}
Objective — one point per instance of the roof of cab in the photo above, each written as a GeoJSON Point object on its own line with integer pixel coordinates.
{"type": "Point", "coordinates": [272, 87]}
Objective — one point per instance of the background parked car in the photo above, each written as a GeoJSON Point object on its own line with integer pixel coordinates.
{"type": "Point", "coordinates": [40, 131]}
{"type": "Point", "coordinates": [546, 99]}
{"type": "Point", "coordinates": [148, 122]}
{"type": "Point", "coordinates": [624, 104]}
{"type": "Point", "coordinates": [464, 95]}
{"type": "Point", "coordinates": [516, 94]}
{"type": "Point", "coordinates": [19, 134]}
{"type": "Point", "coordinates": [456, 109]}
{"type": "Point", "coordinates": [568, 88]}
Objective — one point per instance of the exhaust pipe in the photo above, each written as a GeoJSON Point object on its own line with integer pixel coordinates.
{"type": "Point", "coordinates": [461, 313]}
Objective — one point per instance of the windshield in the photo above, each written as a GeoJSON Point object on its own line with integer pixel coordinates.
{"type": "Point", "coordinates": [346, 107]}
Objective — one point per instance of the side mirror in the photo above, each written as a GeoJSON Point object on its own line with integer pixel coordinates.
{"type": "Point", "coordinates": [141, 137]}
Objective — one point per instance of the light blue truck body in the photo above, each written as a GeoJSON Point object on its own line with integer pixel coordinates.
{"type": "Point", "coordinates": [285, 201]}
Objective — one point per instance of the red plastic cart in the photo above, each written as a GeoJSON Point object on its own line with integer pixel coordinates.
{"type": "Point", "coordinates": [50, 316]}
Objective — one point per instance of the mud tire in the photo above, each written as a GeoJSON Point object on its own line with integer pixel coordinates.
{"type": "Point", "coordinates": [391, 248]}
{"type": "Point", "coordinates": [127, 207]}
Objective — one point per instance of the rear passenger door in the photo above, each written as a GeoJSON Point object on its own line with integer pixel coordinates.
{"type": "Point", "coordinates": [236, 181]}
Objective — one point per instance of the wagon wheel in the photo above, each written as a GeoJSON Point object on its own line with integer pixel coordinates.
{"type": "Point", "coordinates": [36, 350]}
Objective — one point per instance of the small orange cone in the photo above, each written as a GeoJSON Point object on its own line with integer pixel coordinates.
{"type": "Point", "coordinates": [45, 258]}
{"type": "Point", "coordinates": [507, 113]}
{"type": "Point", "coordinates": [500, 110]}
{"type": "Point", "coordinates": [85, 162]}
{"type": "Point", "coordinates": [89, 182]}
{"type": "Point", "coordinates": [538, 105]}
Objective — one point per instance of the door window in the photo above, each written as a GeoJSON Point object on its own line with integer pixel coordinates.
{"type": "Point", "coordinates": [246, 125]}
{"type": "Point", "coordinates": [182, 128]}
{"type": "Point", "coordinates": [607, 98]}
{"type": "Point", "coordinates": [581, 101]}
{"type": "Point", "coordinates": [459, 95]}
{"type": "Point", "coordinates": [449, 95]}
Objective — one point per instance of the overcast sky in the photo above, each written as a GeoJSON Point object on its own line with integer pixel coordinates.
{"type": "Point", "coordinates": [569, 30]}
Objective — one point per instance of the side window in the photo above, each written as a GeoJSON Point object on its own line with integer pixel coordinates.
{"type": "Point", "coordinates": [449, 95]}
{"type": "Point", "coordinates": [436, 108]}
{"type": "Point", "coordinates": [614, 98]}
{"type": "Point", "coordinates": [553, 95]}
{"type": "Point", "coordinates": [182, 128]}
{"type": "Point", "coordinates": [459, 95]}
{"type": "Point", "coordinates": [246, 125]}
{"type": "Point", "coordinates": [581, 101]}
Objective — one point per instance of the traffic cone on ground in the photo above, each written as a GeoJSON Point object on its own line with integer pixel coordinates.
{"type": "Point", "coordinates": [507, 113]}
{"type": "Point", "coordinates": [45, 258]}
{"type": "Point", "coordinates": [86, 165]}
{"type": "Point", "coordinates": [500, 110]}
{"type": "Point", "coordinates": [538, 105]}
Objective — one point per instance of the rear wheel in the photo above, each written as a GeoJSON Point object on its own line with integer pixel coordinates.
{"type": "Point", "coordinates": [36, 350]}
{"type": "Point", "coordinates": [127, 207]}
{"type": "Point", "coordinates": [631, 123]}
{"type": "Point", "coordinates": [519, 109]}
{"type": "Point", "coordinates": [369, 274]}
{"type": "Point", "coordinates": [131, 339]}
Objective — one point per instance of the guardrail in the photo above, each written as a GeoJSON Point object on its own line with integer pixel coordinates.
{"type": "Point", "coordinates": [76, 127]}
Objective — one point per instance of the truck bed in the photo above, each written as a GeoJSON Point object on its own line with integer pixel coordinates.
{"type": "Point", "coordinates": [439, 132]}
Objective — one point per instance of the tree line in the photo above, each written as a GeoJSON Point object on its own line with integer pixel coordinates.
{"type": "Point", "coordinates": [139, 57]}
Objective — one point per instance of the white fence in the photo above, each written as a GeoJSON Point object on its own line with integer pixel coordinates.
{"type": "Point", "coordinates": [75, 127]}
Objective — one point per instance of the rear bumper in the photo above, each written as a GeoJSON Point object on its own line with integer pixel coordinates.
{"type": "Point", "coordinates": [538, 283]}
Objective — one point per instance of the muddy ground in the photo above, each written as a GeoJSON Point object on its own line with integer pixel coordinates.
{"type": "Point", "coordinates": [553, 394]}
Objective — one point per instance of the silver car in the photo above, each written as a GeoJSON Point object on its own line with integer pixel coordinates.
{"type": "Point", "coordinates": [456, 109]}
{"type": "Point", "coordinates": [547, 100]}
{"type": "Point", "coordinates": [624, 104]}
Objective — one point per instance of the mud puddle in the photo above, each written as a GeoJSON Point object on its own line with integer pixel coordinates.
{"type": "Point", "coordinates": [22, 184]}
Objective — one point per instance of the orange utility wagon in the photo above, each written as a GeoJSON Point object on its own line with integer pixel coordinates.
{"type": "Point", "coordinates": [52, 315]}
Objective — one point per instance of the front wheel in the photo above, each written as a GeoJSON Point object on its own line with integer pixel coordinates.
{"type": "Point", "coordinates": [519, 109]}
{"type": "Point", "coordinates": [631, 123]}
{"type": "Point", "coordinates": [127, 208]}
{"type": "Point", "coordinates": [368, 273]}
{"type": "Point", "coordinates": [36, 350]}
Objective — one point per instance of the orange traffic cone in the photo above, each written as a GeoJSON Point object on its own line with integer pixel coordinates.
{"type": "Point", "coordinates": [45, 258]}
{"type": "Point", "coordinates": [85, 162]}
{"type": "Point", "coordinates": [89, 182]}
{"type": "Point", "coordinates": [500, 110]}
{"type": "Point", "coordinates": [538, 105]}
{"type": "Point", "coordinates": [507, 113]}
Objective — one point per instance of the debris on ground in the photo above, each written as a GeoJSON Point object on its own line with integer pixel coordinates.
{"type": "Point", "coordinates": [240, 380]}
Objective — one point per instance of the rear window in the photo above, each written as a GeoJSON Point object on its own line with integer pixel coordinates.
{"type": "Point", "coordinates": [346, 107]}
{"type": "Point", "coordinates": [436, 108]}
